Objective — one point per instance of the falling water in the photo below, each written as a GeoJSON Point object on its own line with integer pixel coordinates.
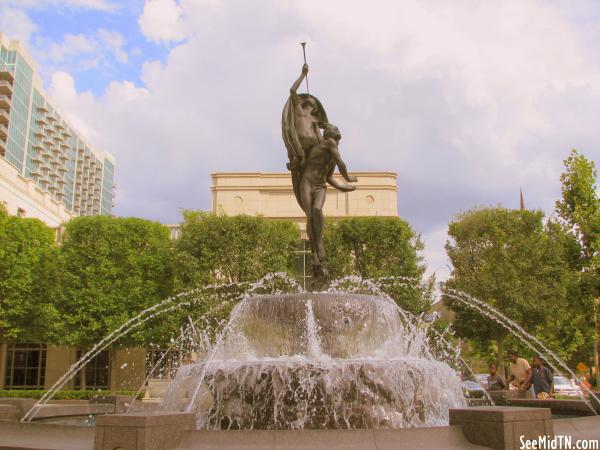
{"type": "Point", "coordinates": [326, 360]}
{"type": "Point", "coordinates": [227, 293]}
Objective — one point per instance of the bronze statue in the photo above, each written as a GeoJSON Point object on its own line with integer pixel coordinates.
{"type": "Point", "coordinates": [313, 157]}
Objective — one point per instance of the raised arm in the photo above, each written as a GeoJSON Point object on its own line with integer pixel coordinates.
{"type": "Point", "coordinates": [296, 85]}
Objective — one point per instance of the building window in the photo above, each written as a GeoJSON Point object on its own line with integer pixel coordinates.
{"type": "Point", "coordinates": [164, 365]}
{"type": "Point", "coordinates": [25, 366]}
{"type": "Point", "coordinates": [96, 373]}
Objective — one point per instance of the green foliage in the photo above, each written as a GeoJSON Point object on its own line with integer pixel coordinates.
{"type": "Point", "coordinates": [374, 247]}
{"type": "Point", "coordinates": [579, 206]}
{"type": "Point", "coordinates": [112, 268]}
{"type": "Point", "coordinates": [27, 279]}
{"type": "Point", "coordinates": [510, 260]}
{"type": "Point", "coordinates": [64, 395]}
{"type": "Point", "coordinates": [579, 209]}
{"type": "Point", "coordinates": [226, 249]}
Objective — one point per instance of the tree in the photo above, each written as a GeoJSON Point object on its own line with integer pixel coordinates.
{"type": "Point", "coordinates": [579, 208]}
{"type": "Point", "coordinates": [232, 249]}
{"type": "Point", "coordinates": [508, 259]}
{"type": "Point", "coordinates": [111, 269]}
{"type": "Point", "coordinates": [27, 279]}
{"type": "Point", "coordinates": [375, 247]}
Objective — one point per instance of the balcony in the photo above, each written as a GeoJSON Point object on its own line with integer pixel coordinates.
{"type": "Point", "coordinates": [3, 131]}
{"type": "Point", "coordinates": [2, 148]}
{"type": "Point", "coordinates": [42, 109]}
{"type": "Point", "coordinates": [39, 133]}
{"type": "Point", "coordinates": [51, 117]}
{"type": "Point", "coordinates": [51, 188]}
{"type": "Point", "coordinates": [35, 174]}
{"type": "Point", "coordinates": [41, 121]}
{"type": "Point", "coordinates": [6, 87]}
{"type": "Point", "coordinates": [59, 126]}
{"type": "Point", "coordinates": [66, 133]}
{"type": "Point", "coordinates": [5, 102]}
{"type": "Point", "coordinates": [6, 74]}
{"type": "Point", "coordinates": [3, 116]}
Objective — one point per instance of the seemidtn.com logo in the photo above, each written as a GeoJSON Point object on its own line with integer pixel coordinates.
{"type": "Point", "coordinates": [559, 442]}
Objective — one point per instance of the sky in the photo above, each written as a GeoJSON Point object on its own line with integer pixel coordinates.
{"type": "Point", "coordinates": [468, 101]}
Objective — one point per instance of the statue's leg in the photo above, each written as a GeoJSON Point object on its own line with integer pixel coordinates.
{"type": "Point", "coordinates": [319, 193]}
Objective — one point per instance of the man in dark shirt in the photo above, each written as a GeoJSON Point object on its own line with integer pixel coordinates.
{"type": "Point", "coordinates": [495, 381]}
{"type": "Point", "coordinates": [542, 378]}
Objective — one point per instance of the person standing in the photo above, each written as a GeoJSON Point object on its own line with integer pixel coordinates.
{"type": "Point", "coordinates": [542, 379]}
{"type": "Point", "coordinates": [495, 381]}
{"type": "Point", "coordinates": [520, 374]}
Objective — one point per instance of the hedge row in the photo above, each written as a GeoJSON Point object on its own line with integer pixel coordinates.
{"type": "Point", "coordinates": [64, 395]}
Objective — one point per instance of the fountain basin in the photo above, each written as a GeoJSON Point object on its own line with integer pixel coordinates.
{"type": "Point", "coordinates": [317, 361]}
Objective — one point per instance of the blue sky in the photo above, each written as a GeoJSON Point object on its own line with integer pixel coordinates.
{"type": "Point", "coordinates": [53, 23]}
{"type": "Point", "coordinates": [467, 101]}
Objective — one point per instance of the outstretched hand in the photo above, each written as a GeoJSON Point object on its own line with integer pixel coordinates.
{"type": "Point", "coordinates": [352, 179]}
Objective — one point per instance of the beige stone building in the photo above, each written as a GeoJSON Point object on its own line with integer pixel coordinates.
{"type": "Point", "coordinates": [271, 195]}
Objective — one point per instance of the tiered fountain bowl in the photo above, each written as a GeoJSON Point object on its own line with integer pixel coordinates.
{"type": "Point", "coordinates": [317, 361]}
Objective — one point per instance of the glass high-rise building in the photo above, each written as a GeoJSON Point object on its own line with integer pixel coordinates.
{"type": "Point", "coordinates": [37, 141]}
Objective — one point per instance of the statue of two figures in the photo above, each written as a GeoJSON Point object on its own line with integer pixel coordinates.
{"type": "Point", "coordinates": [313, 157]}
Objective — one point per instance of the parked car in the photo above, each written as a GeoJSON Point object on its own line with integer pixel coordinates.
{"type": "Point", "coordinates": [564, 386]}
{"type": "Point", "coordinates": [482, 378]}
{"type": "Point", "coordinates": [473, 389]}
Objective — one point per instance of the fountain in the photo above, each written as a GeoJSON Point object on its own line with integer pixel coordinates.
{"type": "Point", "coordinates": [317, 360]}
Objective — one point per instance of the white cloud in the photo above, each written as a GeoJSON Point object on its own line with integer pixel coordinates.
{"type": "Point", "coordinates": [161, 21]}
{"type": "Point", "coordinates": [467, 102]}
{"type": "Point", "coordinates": [114, 41]}
{"type": "Point", "coordinates": [16, 24]}
{"type": "Point", "coordinates": [85, 51]}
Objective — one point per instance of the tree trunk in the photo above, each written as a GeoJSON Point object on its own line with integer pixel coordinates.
{"type": "Point", "coordinates": [596, 342]}
{"type": "Point", "coordinates": [500, 345]}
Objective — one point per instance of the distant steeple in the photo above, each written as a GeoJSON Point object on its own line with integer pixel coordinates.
{"type": "Point", "coordinates": [522, 201]}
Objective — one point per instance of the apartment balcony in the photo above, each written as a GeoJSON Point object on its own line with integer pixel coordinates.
{"type": "Point", "coordinates": [5, 102]}
{"type": "Point", "coordinates": [35, 174]}
{"type": "Point", "coordinates": [64, 145]}
{"type": "Point", "coordinates": [37, 159]}
{"type": "Point", "coordinates": [39, 133]}
{"type": "Point", "coordinates": [49, 131]}
{"type": "Point", "coordinates": [59, 126]}
{"type": "Point", "coordinates": [42, 109]}
{"type": "Point", "coordinates": [62, 169]}
{"type": "Point", "coordinates": [6, 87]}
{"type": "Point", "coordinates": [6, 74]}
{"type": "Point", "coordinates": [3, 116]}
{"type": "Point", "coordinates": [63, 157]}
{"type": "Point", "coordinates": [3, 131]}
{"type": "Point", "coordinates": [2, 148]}
{"type": "Point", "coordinates": [51, 188]}
{"type": "Point", "coordinates": [66, 133]}
{"type": "Point", "coordinates": [41, 120]}
{"type": "Point", "coordinates": [51, 117]}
